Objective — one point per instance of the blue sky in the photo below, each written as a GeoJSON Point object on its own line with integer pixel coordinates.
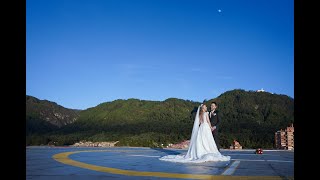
{"type": "Point", "coordinates": [80, 53]}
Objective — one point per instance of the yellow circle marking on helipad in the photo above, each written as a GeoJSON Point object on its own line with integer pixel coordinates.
{"type": "Point", "coordinates": [64, 158]}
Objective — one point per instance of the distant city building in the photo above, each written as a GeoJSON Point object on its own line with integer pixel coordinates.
{"type": "Point", "coordinates": [261, 90]}
{"type": "Point", "coordinates": [284, 139]}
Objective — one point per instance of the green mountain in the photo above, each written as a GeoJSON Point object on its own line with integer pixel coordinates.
{"type": "Point", "coordinates": [252, 117]}
{"type": "Point", "coordinates": [43, 116]}
{"type": "Point", "coordinates": [247, 116]}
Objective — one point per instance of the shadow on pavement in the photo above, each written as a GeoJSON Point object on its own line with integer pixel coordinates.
{"type": "Point", "coordinates": [167, 151]}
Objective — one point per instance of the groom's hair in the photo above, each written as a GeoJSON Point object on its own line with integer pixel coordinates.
{"type": "Point", "coordinates": [214, 103]}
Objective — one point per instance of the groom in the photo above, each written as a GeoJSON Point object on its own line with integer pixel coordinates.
{"type": "Point", "coordinates": [215, 120]}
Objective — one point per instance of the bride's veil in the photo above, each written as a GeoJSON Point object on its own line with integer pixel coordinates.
{"type": "Point", "coordinates": [192, 150]}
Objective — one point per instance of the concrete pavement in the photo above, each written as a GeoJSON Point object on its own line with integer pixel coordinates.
{"type": "Point", "coordinates": [66, 163]}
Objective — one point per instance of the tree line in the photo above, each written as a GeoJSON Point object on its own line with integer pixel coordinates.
{"type": "Point", "coordinates": [249, 117]}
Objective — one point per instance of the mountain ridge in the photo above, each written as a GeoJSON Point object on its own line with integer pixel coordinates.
{"type": "Point", "coordinates": [49, 111]}
{"type": "Point", "coordinates": [248, 116]}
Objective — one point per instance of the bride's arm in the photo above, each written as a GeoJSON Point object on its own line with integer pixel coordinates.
{"type": "Point", "coordinates": [208, 120]}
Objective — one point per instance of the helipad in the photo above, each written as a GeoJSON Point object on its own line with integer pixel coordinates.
{"type": "Point", "coordinates": [143, 163]}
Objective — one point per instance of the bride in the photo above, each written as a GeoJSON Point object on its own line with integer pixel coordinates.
{"type": "Point", "coordinates": [202, 147]}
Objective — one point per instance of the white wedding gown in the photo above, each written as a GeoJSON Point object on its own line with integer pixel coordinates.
{"type": "Point", "coordinates": [202, 147]}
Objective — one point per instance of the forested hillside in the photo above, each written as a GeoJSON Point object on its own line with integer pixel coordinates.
{"type": "Point", "coordinates": [43, 117]}
{"type": "Point", "coordinates": [247, 116]}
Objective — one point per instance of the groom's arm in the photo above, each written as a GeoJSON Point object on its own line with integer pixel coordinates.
{"type": "Point", "coordinates": [218, 118]}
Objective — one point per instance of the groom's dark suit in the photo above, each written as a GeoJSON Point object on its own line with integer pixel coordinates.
{"type": "Point", "coordinates": [215, 121]}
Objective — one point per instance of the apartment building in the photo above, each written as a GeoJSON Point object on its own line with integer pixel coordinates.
{"type": "Point", "coordinates": [284, 139]}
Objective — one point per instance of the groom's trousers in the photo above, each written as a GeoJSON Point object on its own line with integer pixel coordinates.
{"type": "Point", "coordinates": [216, 138]}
